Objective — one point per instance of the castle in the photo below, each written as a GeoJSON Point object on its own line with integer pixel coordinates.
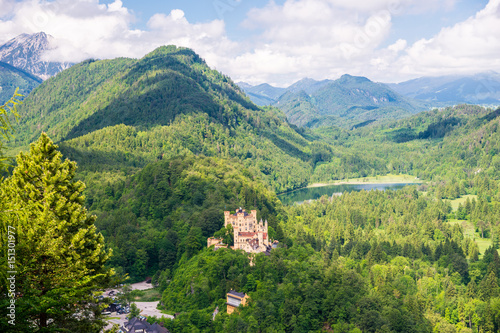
{"type": "Point", "coordinates": [249, 235]}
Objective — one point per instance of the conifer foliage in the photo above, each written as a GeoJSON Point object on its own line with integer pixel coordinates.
{"type": "Point", "coordinates": [59, 255]}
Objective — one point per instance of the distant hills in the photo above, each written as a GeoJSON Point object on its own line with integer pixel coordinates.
{"type": "Point", "coordinates": [482, 88]}
{"type": "Point", "coordinates": [26, 53]}
{"type": "Point", "coordinates": [12, 78]}
{"type": "Point", "coordinates": [350, 101]}
{"type": "Point", "coordinates": [262, 94]}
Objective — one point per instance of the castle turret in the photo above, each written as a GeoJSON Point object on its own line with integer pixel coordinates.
{"type": "Point", "coordinates": [226, 218]}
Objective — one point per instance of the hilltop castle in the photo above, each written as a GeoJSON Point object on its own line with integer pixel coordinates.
{"type": "Point", "coordinates": [249, 235]}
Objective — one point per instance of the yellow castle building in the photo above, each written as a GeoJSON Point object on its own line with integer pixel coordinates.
{"type": "Point", "coordinates": [249, 235]}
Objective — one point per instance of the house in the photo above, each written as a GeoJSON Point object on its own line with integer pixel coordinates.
{"type": "Point", "coordinates": [234, 300]}
{"type": "Point", "coordinates": [136, 325]}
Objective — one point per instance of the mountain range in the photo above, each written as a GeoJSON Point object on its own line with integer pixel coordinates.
{"type": "Point", "coordinates": [356, 101]}
{"type": "Point", "coordinates": [350, 101]}
{"type": "Point", "coordinates": [481, 88]}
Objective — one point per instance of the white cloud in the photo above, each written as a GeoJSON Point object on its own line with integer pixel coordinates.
{"type": "Point", "coordinates": [398, 46]}
{"type": "Point", "coordinates": [300, 38]}
{"type": "Point", "coordinates": [311, 38]}
{"type": "Point", "coordinates": [6, 7]}
{"type": "Point", "coordinates": [467, 47]}
{"type": "Point", "coordinates": [87, 29]}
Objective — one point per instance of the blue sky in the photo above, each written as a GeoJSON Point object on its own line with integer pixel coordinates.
{"type": "Point", "coordinates": [278, 41]}
{"type": "Point", "coordinates": [410, 26]}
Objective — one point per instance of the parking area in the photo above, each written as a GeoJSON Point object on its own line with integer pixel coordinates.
{"type": "Point", "coordinates": [147, 308]}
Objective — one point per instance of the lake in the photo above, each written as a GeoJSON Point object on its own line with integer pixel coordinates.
{"type": "Point", "coordinates": [313, 193]}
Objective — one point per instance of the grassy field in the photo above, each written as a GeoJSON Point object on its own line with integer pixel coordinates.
{"type": "Point", "coordinates": [469, 231]}
{"type": "Point", "coordinates": [373, 180]}
{"type": "Point", "coordinates": [148, 295]}
{"type": "Point", "coordinates": [461, 200]}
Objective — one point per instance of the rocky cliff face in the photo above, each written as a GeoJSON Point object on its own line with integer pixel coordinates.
{"type": "Point", "coordinates": [25, 52]}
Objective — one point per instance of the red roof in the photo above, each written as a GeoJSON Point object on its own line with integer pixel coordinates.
{"type": "Point", "coordinates": [246, 234]}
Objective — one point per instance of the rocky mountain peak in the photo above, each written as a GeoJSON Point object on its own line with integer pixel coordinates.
{"type": "Point", "coordinates": [26, 52]}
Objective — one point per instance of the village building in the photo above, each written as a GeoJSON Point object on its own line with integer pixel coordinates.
{"type": "Point", "coordinates": [234, 300]}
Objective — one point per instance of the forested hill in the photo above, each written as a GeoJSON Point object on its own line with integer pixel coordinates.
{"type": "Point", "coordinates": [123, 113]}
{"type": "Point", "coordinates": [346, 102]}
{"type": "Point", "coordinates": [458, 146]}
{"type": "Point", "coordinates": [150, 91]}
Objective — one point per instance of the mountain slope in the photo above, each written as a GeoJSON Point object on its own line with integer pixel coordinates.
{"type": "Point", "coordinates": [12, 78]}
{"type": "Point", "coordinates": [126, 113]}
{"type": "Point", "coordinates": [482, 88]}
{"type": "Point", "coordinates": [345, 102]}
{"type": "Point", "coordinates": [26, 52]}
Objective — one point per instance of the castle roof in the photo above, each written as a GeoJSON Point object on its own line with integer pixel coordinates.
{"type": "Point", "coordinates": [239, 211]}
{"type": "Point", "coordinates": [237, 294]}
{"type": "Point", "coordinates": [135, 324]}
{"type": "Point", "coordinates": [246, 233]}
{"type": "Point", "coordinates": [251, 234]}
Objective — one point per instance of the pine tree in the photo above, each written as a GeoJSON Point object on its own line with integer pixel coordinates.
{"type": "Point", "coordinates": [488, 287]}
{"type": "Point", "coordinates": [59, 255]}
{"type": "Point", "coordinates": [7, 111]}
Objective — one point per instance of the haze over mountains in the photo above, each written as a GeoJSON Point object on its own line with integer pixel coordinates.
{"type": "Point", "coordinates": [481, 88]}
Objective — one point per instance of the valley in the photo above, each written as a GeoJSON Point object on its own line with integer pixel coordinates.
{"type": "Point", "coordinates": [164, 145]}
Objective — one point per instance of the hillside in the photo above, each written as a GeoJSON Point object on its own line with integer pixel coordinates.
{"type": "Point", "coordinates": [166, 104]}
{"type": "Point", "coordinates": [456, 146]}
{"type": "Point", "coordinates": [165, 212]}
{"type": "Point", "coordinates": [12, 78]}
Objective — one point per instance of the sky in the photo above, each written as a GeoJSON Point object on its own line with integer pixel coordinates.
{"type": "Point", "coordinates": [277, 42]}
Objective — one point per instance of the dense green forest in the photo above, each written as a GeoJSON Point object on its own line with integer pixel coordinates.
{"type": "Point", "coordinates": [365, 261]}
{"type": "Point", "coordinates": [124, 113]}
{"type": "Point", "coordinates": [164, 145]}
{"type": "Point", "coordinates": [456, 145]}
{"type": "Point", "coordinates": [164, 213]}
{"type": "Point", "coordinates": [348, 102]}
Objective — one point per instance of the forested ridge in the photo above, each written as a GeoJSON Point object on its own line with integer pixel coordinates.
{"type": "Point", "coordinates": [164, 145]}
